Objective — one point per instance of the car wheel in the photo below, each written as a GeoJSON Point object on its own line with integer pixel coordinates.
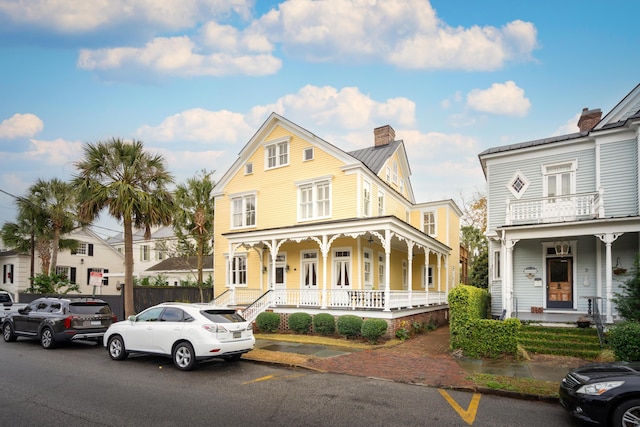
{"type": "Point", "coordinates": [627, 414]}
{"type": "Point", "coordinates": [232, 358]}
{"type": "Point", "coordinates": [184, 357]}
{"type": "Point", "coordinates": [7, 333]}
{"type": "Point", "coordinates": [116, 348]}
{"type": "Point", "coordinates": [46, 338]}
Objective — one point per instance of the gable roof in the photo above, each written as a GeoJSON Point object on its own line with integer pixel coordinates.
{"type": "Point", "coordinates": [375, 157]}
{"type": "Point", "coordinates": [182, 264]}
{"type": "Point", "coordinates": [628, 108]}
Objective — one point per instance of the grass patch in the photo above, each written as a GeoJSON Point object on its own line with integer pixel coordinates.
{"type": "Point", "coordinates": [322, 340]}
{"type": "Point", "coordinates": [528, 386]}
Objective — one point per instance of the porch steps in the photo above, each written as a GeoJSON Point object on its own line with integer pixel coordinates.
{"type": "Point", "coordinates": [560, 341]}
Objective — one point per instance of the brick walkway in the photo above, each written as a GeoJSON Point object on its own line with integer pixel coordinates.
{"type": "Point", "coordinates": [423, 359]}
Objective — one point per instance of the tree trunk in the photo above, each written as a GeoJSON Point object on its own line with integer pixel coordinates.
{"type": "Point", "coordinates": [129, 307]}
{"type": "Point", "coordinates": [54, 251]}
{"type": "Point", "coordinates": [200, 256]}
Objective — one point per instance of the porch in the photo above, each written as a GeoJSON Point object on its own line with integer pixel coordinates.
{"type": "Point", "coordinates": [254, 301]}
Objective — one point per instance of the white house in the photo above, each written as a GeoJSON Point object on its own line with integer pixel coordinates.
{"type": "Point", "coordinates": [564, 217]}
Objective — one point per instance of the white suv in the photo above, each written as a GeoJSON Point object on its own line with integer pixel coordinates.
{"type": "Point", "coordinates": [186, 332]}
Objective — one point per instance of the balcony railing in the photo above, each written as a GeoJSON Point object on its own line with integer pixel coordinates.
{"type": "Point", "coordinates": [571, 207]}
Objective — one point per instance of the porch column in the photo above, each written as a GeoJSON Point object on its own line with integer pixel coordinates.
{"type": "Point", "coordinates": [410, 272]}
{"type": "Point", "coordinates": [387, 272]}
{"type": "Point", "coordinates": [446, 274]}
{"type": "Point", "coordinates": [271, 271]}
{"type": "Point", "coordinates": [426, 273]}
{"type": "Point", "coordinates": [439, 287]}
{"type": "Point", "coordinates": [608, 240]}
{"type": "Point", "coordinates": [507, 284]}
{"type": "Point", "coordinates": [324, 248]}
{"type": "Point", "coordinates": [230, 282]}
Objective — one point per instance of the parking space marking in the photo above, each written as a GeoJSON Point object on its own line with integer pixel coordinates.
{"type": "Point", "coordinates": [468, 415]}
{"type": "Point", "coordinates": [272, 377]}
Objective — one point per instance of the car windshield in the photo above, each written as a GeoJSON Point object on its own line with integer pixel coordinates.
{"type": "Point", "coordinates": [89, 308]}
{"type": "Point", "coordinates": [222, 316]}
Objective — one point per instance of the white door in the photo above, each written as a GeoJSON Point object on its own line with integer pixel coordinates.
{"type": "Point", "coordinates": [309, 283]}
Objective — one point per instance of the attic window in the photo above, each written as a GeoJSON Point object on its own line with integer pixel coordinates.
{"type": "Point", "coordinates": [248, 169]}
{"type": "Point", "coordinates": [518, 184]}
{"type": "Point", "coordinates": [307, 154]}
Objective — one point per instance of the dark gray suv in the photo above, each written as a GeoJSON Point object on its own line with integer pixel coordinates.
{"type": "Point", "coordinates": [54, 320]}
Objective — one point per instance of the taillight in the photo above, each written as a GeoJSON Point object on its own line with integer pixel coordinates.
{"type": "Point", "coordinates": [250, 327]}
{"type": "Point", "coordinates": [213, 328]}
{"type": "Point", "coordinates": [68, 321]}
{"type": "Point", "coordinates": [114, 318]}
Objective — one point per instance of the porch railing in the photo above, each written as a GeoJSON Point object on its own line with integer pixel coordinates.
{"type": "Point", "coordinates": [336, 299]}
{"type": "Point", "coordinates": [555, 209]}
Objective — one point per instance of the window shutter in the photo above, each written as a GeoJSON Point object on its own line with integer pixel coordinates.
{"type": "Point", "coordinates": [4, 273]}
{"type": "Point", "coordinates": [72, 279]}
{"type": "Point", "coordinates": [90, 249]}
{"type": "Point", "coordinates": [89, 275]}
{"type": "Point", "coordinates": [11, 273]}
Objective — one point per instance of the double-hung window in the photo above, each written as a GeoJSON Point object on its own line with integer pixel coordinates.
{"type": "Point", "coordinates": [366, 199]}
{"type": "Point", "coordinates": [380, 204]}
{"type": "Point", "coordinates": [238, 273]}
{"type": "Point", "coordinates": [314, 199]}
{"type": "Point", "coordinates": [429, 223]}
{"type": "Point", "coordinates": [243, 211]}
{"type": "Point", "coordinates": [277, 153]}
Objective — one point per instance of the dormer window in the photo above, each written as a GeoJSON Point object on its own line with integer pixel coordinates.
{"type": "Point", "coordinates": [276, 153]}
{"type": "Point", "coordinates": [518, 184]}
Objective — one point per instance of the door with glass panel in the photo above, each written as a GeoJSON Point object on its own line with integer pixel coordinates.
{"type": "Point", "coordinates": [309, 293]}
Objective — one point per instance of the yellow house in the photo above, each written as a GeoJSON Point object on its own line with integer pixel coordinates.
{"type": "Point", "coordinates": [301, 225]}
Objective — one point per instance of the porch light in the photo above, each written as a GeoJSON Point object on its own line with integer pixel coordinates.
{"type": "Point", "coordinates": [370, 239]}
{"type": "Point", "coordinates": [264, 269]}
{"type": "Point", "coordinates": [287, 268]}
{"type": "Point", "coordinates": [562, 248]}
{"type": "Point", "coordinates": [530, 272]}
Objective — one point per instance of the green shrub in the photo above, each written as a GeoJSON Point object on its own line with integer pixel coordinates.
{"type": "Point", "coordinates": [489, 338]}
{"type": "Point", "coordinates": [268, 321]}
{"type": "Point", "coordinates": [349, 326]}
{"type": "Point", "coordinates": [324, 324]}
{"type": "Point", "coordinates": [625, 341]}
{"type": "Point", "coordinates": [466, 304]}
{"type": "Point", "coordinates": [300, 323]}
{"type": "Point", "coordinates": [403, 332]}
{"type": "Point", "coordinates": [373, 329]}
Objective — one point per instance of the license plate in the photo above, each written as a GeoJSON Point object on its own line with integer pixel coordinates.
{"type": "Point", "coordinates": [237, 334]}
{"type": "Point", "coordinates": [96, 323]}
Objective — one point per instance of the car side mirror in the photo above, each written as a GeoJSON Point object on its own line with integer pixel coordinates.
{"type": "Point", "coordinates": [24, 310]}
{"type": "Point", "coordinates": [132, 318]}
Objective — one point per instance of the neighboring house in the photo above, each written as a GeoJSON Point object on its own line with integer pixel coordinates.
{"type": "Point", "coordinates": [93, 255]}
{"type": "Point", "coordinates": [179, 269]}
{"type": "Point", "coordinates": [316, 228]}
{"type": "Point", "coordinates": [147, 252]}
{"type": "Point", "coordinates": [563, 213]}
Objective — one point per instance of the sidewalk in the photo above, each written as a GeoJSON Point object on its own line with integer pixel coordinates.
{"type": "Point", "coordinates": [424, 359]}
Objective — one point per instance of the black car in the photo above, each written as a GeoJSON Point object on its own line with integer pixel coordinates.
{"type": "Point", "coordinates": [607, 394]}
{"type": "Point", "coordinates": [55, 320]}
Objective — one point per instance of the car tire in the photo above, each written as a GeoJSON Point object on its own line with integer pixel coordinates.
{"type": "Point", "coordinates": [46, 338]}
{"type": "Point", "coordinates": [232, 358]}
{"type": "Point", "coordinates": [629, 410]}
{"type": "Point", "coordinates": [7, 333]}
{"type": "Point", "coordinates": [184, 358]}
{"type": "Point", "coordinates": [116, 348]}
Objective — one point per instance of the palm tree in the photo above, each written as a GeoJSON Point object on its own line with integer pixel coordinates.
{"type": "Point", "coordinates": [57, 201]}
{"type": "Point", "coordinates": [194, 217]}
{"type": "Point", "coordinates": [131, 184]}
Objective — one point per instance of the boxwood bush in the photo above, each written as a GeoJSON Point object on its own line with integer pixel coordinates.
{"type": "Point", "coordinates": [373, 329]}
{"type": "Point", "coordinates": [349, 326]}
{"type": "Point", "coordinates": [268, 321]}
{"type": "Point", "coordinates": [624, 339]}
{"type": "Point", "coordinates": [324, 324]}
{"type": "Point", "coordinates": [300, 323]}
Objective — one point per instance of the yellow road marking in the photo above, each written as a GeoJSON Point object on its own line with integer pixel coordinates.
{"type": "Point", "coordinates": [468, 415]}
{"type": "Point", "coordinates": [272, 377]}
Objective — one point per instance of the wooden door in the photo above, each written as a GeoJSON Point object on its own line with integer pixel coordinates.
{"type": "Point", "coordinates": [559, 283]}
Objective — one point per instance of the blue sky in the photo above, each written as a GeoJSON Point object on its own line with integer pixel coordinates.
{"type": "Point", "coordinates": [195, 79]}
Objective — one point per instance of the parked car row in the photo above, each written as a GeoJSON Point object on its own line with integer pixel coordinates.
{"type": "Point", "coordinates": [188, 333]}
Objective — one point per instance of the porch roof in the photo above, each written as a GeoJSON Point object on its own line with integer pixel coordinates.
{"type": "Point", "coordinates": [352, 227]}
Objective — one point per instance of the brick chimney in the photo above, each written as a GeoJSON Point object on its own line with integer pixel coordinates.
{"type": "Point", "coordinates": [384, 135]}
{"type": "Point", "coordinates": [588, 119]}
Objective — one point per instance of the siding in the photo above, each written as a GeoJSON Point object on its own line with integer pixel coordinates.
{"type": "Point", "coordinates": [619, 178]}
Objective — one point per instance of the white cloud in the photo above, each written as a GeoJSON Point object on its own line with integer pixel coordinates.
{"type": "Point", "coordinates": [20, 126]}
{"type": "Point", "coordinates": [571, 126]}
{"type": "Point", "coordinates": [179, 56]}
{"type": "Point", "coordinates": [199, 125]}
{"type": "Point", "coordinates": [405, 33]}
{"type": "Point", "coordinates": [347, 108]}
{"type": "Point", "coordinates": [501, 98]}
{"type": "Point", "coordinates": [56, 152]}
{"type": "Point", "coordinates": [74, 16]}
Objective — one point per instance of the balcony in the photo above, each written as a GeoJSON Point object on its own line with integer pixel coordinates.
{"type": "Point", "coordinates": [571, 207]}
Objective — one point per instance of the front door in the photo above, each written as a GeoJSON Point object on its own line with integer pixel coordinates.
{"type": "Point", "coordinates": [559, 283]}
{"type": "Point", "coordinates": [280, 278]}
{"type": "Point", "coordinates": [309, 284]}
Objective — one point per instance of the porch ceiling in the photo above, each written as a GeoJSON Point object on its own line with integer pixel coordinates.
{"type": "Point", "coordinates": [374, 227]}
